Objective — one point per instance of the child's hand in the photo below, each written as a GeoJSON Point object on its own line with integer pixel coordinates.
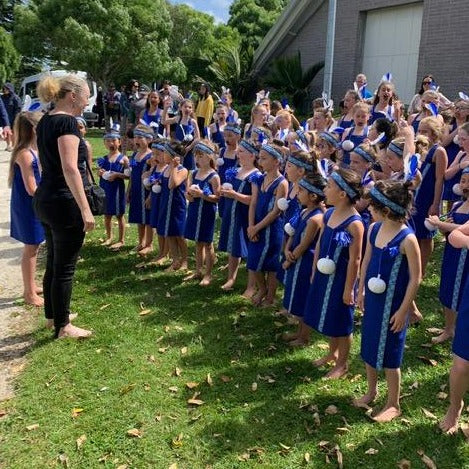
{"type": "Point", "coordinates": [286, 265]}
{"type": "Point", "coordinates": [195, 192]}
{"type": "Point", "coordinates": [361, 301]}
{"type": "Point", "coordinates": [148, 203]}
{"type": "Point", "coordinates": [228, 193]}
{"type": "Point", "coordinates": [113, 177]}
{"type": "Point", "coordinates": [398, 321]}
{"type": "Point", "coordinates": [347, 297]}
{"type": "Point", "coordinates": [167, 102]}
{"type": "Point", "coordinates": [101, 171]}
{"type": "Point", "coordinates": [434, 210]}
{"type": "Point", "coordinates": [291, 257]}
{"type": "Point", "coordinates": [252, 231]}
{"type": "Point", "coordinates": [434, 220]}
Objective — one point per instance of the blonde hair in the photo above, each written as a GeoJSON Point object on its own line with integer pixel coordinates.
{"type": "Point", "coordinates": [212, 156]}
{"type": "Point", "coordinates": [422, 145]}
{"type": "Point", "coordinates": [361, 106]}
{"type": "Point", "coordinates": [23, 132]}
{"type": "Point", "coordinates": [52, 89]}
{"type": "Point", "coordinates": [435, 126]}
{"type": "Point", "coordinates": [430, 94]}
{"type": "Point", "coordinates": [326, 113]}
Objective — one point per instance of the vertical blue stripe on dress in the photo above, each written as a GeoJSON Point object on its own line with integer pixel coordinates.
{"type": "Point", "coordinates": [457, 282]}
{"type": "Point", "coordinates": [387, 311]}
{"type": "Point", "coordinates": [199, 219]}
{"type": "Point", "coordinates": [327, 294]}
{"type": "Point", "coordinates": [267, 237]}
{"type": "Point", "coordinates": [143, 203]}
{"type": "Point", "coordinates": [232, 218]}
{"type": "Point", "coordinates": [168, 213]}
{"type": "Point", "coordinates": [293, 286]}
{"type": "Point", "coordinates": [424, 173]}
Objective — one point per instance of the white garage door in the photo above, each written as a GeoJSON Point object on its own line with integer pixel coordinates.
{"type": "Point", "coordinates": [392, 40]}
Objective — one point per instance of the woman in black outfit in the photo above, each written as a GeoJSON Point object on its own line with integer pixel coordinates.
{"type": "Point", "coordinates": [60, 201]}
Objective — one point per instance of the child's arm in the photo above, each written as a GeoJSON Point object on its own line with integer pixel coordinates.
{"type": "Point", "coordinates": [443, 226]}
{"type": "Point", "coordinates": [363, 269]}
{"type": "Point", "coordinates": [441, 161]}
{"type": "Point", "coordinates": [312, 228]}
{"type": "Point", "coordinates": [252, 234]}
{"type": "Point", "coordinates": [457, 165]}
{"type": "Point", "coordinates": [412, 251]}
{"type": "Point", "coordinates": [215, 183]}
{"type": "Point", "coordinates": [286, 251]}
{"type": "Point", "coordinates": [118, 175]}
{"type": "Point", "coordinates": [355, 251]}
{"type": "Point", "coordinates": [282, 191]}
{"type": "Point", "coordinates": [448, 135]}
{"type": "Point", "coordinates": [165, 120]}
{"type": "Point", "coordinates": [176, 176]}
{"type": "Point", "coordinates": [459, 238]}
{"type": "Point", "coordinates": [196, 136]}
{"type": "Point", "coordinates": [407, 131]}
{"type": "Point", "coordinates": [27, 173]}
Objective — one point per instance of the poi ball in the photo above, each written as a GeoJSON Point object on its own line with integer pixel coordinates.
{"type": "Point", "coordinates": [188, 138]}
{"type": "Point", "coordinates": [227, 186]}
{"type": "Point", "coordinates": [146, 181]}
{"type": "Point", "coordinates": [377, 285]}
{"type": "Point", "coordinates": [194, 187]}
{"type": "Point", "coordinates": [326, 265]}
{"type": "Point", "coordinates": [283, 204]}
{"type": "Point", "coordinates": [106, 175]}
{"type": "Point", "coordinates": [156, 189]}
{"type": "Point", "coordinates": [127, 172]}
{"type": "Point", "coordinates": [289, 229]}
{"type": "Point", "coordinates": [429, 226]}
{"type": "Point", "coordinates": [348, 145]}
{"type": "Point", "coordinates": [457, 189]}
{"type": "Point", "coordinates": [456, 139]}
{"type": "Point", "coordinates": [220, 161]}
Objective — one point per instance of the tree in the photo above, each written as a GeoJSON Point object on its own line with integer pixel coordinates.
{"type": "Point", "coordinates": [287, 74]}
{"type": "Point", "coordinates": [112, 40]}
{"type": "Point", "coordinates": [254, 18]}
{"type": "Point", "coordinates": [9, 57]}
{"type": "Point", "coordinates": [6, 13]}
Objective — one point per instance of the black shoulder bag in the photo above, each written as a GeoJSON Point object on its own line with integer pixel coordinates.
{"type": "Point", "coordinates": [95, 195]}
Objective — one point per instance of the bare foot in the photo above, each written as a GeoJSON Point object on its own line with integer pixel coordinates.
{"type": "Point", "coordinates": [257, 298]}
{"type": "Point", "coordinates": [228, 286]}
{"type": "Point", "coordinates": [116, 246]}
{"type": "Point", "coordinates": [387, 414]}
{"type": "Point", "coordinates": [337, 372]}
{"type": "Point", "coordinates": [74, 332]}
{"type": "Point", "coordinates": [282, 312]}
{"type": "Point", "coordinates": [248, 294]}
{"type": "Point", "coordinates": [137, 248]}
{"type": "Point", "coordinates": [415, 316]}
{"type": "Point", "coordinates": [34, 300]}
{"type": "Point", "coordinates": [289, 336]}
{"type": "Point", "coordinates": [107, 242]}
{"type": "Point", "coordinates": [39, 290]}
{"type": "Point", "coordinates": [145, 251]}
{"type": "Point", "coordinates": [450, 422]}
{"type": "Point", "coordinates": [193, 276]}
{"type": "Point", "coordinates": [324, 360]}
{"type": "Point", "coordinates": [362, 402]}
{"type": "Point", "coordinates": [299, 343]}
{"type": "Point", "coordinates": [173, 267]}
{"type": "Point", "coordinates": [443, 337]}
{"type": "Point", "coordinates": [50, 322]}
{"type": "Point", "coordinates": [206, 281]}
{"type": "Point", "coordinates": [183, 265]}
{"type": "Point", "coordinates": [267, 303]}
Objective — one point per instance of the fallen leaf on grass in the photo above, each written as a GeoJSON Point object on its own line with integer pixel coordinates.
{"type": "Point", "coordinates": [225, 379]}
{"type": "Point", "coordinates": [404, 464]}
{"type": "Point", "coordinates": [316, 419]}
{"type": "Point", "coordinates": [173, 466]}
{"type": "Point", "coordinates": [322, 346]}
{"type": "Point", "coordinates": [430, 361]}
{"type": "Point", "coordinates": [105, 306]}
{"type": "Point", "coordinates": [429, 414]}
{"type": "Point", "coordinates": [158, 417]}
{"type": "Point", "coordinates": [434, 330]}
{"type": "Point", "coordinates": [152, 359]}
{"type": "Point", "coordinates": [331, 410]}
{"type": "Point", "coordinates": [244, 457]}
{"type": "Point", "coordinates": [176, 442]}
{"type": "Point", "coordinates": [80, 441]}
{"type": "Point", "coordinates": [307, 458]}
{"type": "Point", "coordinates": [339, 456]}
{"type": "Point", "coordinates": [177, 371]}
{"type": "Point", "coordinates": [426, 460]}
{"type": "Point", "coordinates": [372, 451]}
{"type": "Point", "coordinates": [414, 385]}
{"type": "Point", "coordinates": [184, 350]}
{"type": "Point", "coordinates": [173, 388]}
{"type": "Point", "coordinates": [163, 349]}
{"type": "Point", "coordinates": [254, 387]}
{"type": "Point", "coordinates": [145, 312]}
{"type": "Point", "coordinates": [123, 466]}
{"type": "Point", "coordinates": [323, 444]}
{"type": "Point", "coordinates": [134, 433]}
{"type": "Point", "coordinates": [168, 295]}
{"type": "Point", "coordinates": [32, 427]}
{"type": "Point", "coordinates": [63, 459]}
{"type": "Point", "coordinates": [76, 411]}
{"type": "Point", "coordinates": [127, 388]}
{"type": "Point", "coordinates": [442, 395]}
{"type": "Point", "coordinates": [196, 402]}
{"type": "Point", "coordinates": [209, 380]}
{"type": "Point", "coordinates": [343, 429]}
{"type": "Point", "coordinates": [191, 385]}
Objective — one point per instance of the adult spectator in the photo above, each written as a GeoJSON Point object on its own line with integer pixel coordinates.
{"type": "Point", "coordinates": [361, 82]}
{"type": "Point", "coordinates": [137, 105]}
{"type": "Point", "coordinates": [99, 107]}
{"type": "Point", "coordinates": [12, 104]}
{"type": "Point", "coordinates": [112, 106]}
{"type": "Point", "coordinates": [205, 108]}
{"type": "Point", "coordinates": [60, 201]}
{"type": "Point", "coordinates": [428, 83]}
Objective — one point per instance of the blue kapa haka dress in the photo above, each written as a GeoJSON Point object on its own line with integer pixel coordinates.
{"type": "Point", "coordinates": [264, 254]}
{"type": "Point", "coordinates": [234, 224]}
{"type": "Point", "coordinates": [172, 213]}
{"type": "Point", "coordinates": [200, 222]}
{"type": "Point", "coordinates": [460, 342]}
{"type": "Point", "coordinates": [185, 133]}
{"type": "Point", "coordinates": [115, 190]}
{"type": "Point", "coordinates": [297, 276]}
{"type": "Point", "coordinates": [381, 348]}
{"type": "Point", "coordinates": [228, 163]}
{"type": "Point", "coordinates": [454, 267]}
{"type": "Point", "coordinates": [138, 193]}
{"type": "Point", "coordinates": [325, 310]}
{"type": "Point", "coordinates": [155, 179]}
{"type": "Point", "coordinates": [24, 226]}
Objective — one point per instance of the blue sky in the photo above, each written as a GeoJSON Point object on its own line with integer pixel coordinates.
{"type": "Point", "coordinates": [217, 8]}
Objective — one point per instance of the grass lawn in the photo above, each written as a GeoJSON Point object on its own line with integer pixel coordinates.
{"type": "Point", "coordinates": [120, 399]}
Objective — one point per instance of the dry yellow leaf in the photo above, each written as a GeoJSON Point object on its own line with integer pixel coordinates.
{"type": "Point", "coordinates": [340, 457]}
{"type": "Point", "coordinates": [307, 458]}
{"type": "Point", "coordinates": [254, 386]}
{"type": "Point", "coordinates": [429, 414]}
{"type": "Point", "coordinates": [177, 371]}
{"type": "Point", "coordinates": [32, 427]}
{"type": "Point", "coordinates": [209, 380]}
{"type": "Point", "coordinates": [442, 395]}
{"type": "Point", "coordinates": [173, 388]}
{"type": "Point", "coordinates": [63, 459]}
{"type": "Point", "coordinates": [145, 312]}
{"type": "Point", "coordinates": [105, 306]}
{"type": "Point", "coordinates": [196, 402]}
{"type": "Point", "coordinates": [184, 350]}
{"type": "Point", "coordinates": [191, 385]}
{"type": "Point", "coordinates": [372, 451]}
{"type": "Point", "coordinates": [80, 441]}
{"type": "Point", "coordinates": [404, 464]}
{"type": "Point", "coordinates": [331, 410]}
{"type": "Point", "coordinates": [134, 433]}
{"type": "Point", "coordinates": [465, 430]}
{"type": "Point", "coordinates": [225, 379]}
{"type": "Point", "coordinates": [426, 460]}
{"type": "Point", "coordinates": [76, 411]}
{"type": "Point", "coordinates": [173, 466]}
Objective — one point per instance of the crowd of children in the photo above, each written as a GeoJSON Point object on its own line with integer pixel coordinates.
{"type": "Point", "coordinates": [342, 213]}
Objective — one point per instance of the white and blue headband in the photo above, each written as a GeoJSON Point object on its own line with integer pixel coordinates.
{"type": "Point", "coordinates": [272, 152]}
{"type": "Point", "coordinates": [380, 197]}
{"type": "Point", "coordinates": [233, 128]}
{"type": "Point", "coordinates": [310, 187]}
{"type": "Point", "coordinates": [364, 154]}
{"type": "Point", "coordinates": [342, 183]}
{"type": "Point", "coordinates": [142, 133]}
{"type": "Point", "coordinates": [200, 146]}
{"type": "Point", "coordinates": [302, 164]}
{"type": "Point", "coordinates": [396, 149]}
{"type": "Point", "coordinates": [168, 148]}
{"type": "Point", "coordinates": [111, 135]}
{"type": "Point", "coordinates": [158, 146]}
{"type": "Point", "coordinates": [248, 146]}
{"type": "Point", "coordinates": [329, 138]}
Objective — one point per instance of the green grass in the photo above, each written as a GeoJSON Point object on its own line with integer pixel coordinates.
{"type": "Point", "coordinates": [125, 378]}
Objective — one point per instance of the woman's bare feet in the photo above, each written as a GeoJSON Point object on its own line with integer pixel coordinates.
{"type": "Point", "coordinates": [183, 265]}
{"type": "Point", "coordinates": [206, 281]}
{"type": "Point", "coordinates": [415, 316]}
{"type": "Point", "coordinates": [390, 412]}
{"type": "Point", "coordinates": [34, 299]}
{"type": "Point", "coordinates": [337, 372]}
{"type": "Point", "coordinates": [50, 322]}
{"type": "Point", "coordinates": [73, 332]}
{"type": "Point", "coordinates": [450, 422]}
{"type": "Point", "coordinates": [39, 290]}
{"type": "Point", "coordinates": [175, 266]}
{"type": "Point", "coordinates": [282, 312]}
{"type": "Point", "coordinates": [228, 286]}
{"type": "Point", "coordinates": [137, 248]}
{"type": "Point", "coordinates": [443, 337]}
{"type": "Point", "coordinates": [362, 402]}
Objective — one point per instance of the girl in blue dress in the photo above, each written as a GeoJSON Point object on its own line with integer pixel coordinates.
{"type": "Point", "coordinates": [350, 99]}
{"type": "Point", "coordinates": [356, 134]}
{"type": "Point", "coordinates": [459, 374]}
{"type": "Point", "coordinates": [265, 230]}
{"type": "Point", "coordinates": [111, 179]}
{"type": "Point", "coordinates": [23, 178]}
{"type": "Point", "coordinates": [428, 97]}
{"type": "Point", "coordinates": [455, 263]}
{"type": "Point", "coordinates": [227, 100]}
{"type": "Point", "coordinates": [259, 115]}
{"type": "Point", "coordinates": [136, 191]}
{"type": "Point", "coordinates": [299, 253]}
{"type": "Point", "coordinates": [152, 114]}
{"type": "Point", "coordinates": [187, 130]}
{"type": "Point", "coordinates": [228, 157]}
{"type": "Point", "coordinates": [429, 193]}
{"type": "Point", "coordinates": [383, 103]}
{"type": "Point", "coordinates": [203, 194]}
{"type": "Point", "coordinates": [330, 300]}
{"type": "Point", "coordinates": [216, 130]}
{"type": "Point", "coordinates": [389, 283]}
{"type": "Point", "coordinates": [172, 210]}
{"type": "Point", "coordinates": [236, 193]}
{"type": "Point", "coordinates": [154, 180]}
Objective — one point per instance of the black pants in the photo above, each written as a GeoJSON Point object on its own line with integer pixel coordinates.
{"type": "Point", "coordinates": [63, 247]}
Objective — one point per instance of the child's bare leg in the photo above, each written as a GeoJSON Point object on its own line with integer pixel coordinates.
{"type": "Point", "coordinates": [121, 226]}
{"type": "Point", "coordinates": [108, 228]}
{"type": "Point", "coordinates": [458, 385]}
{"type": "Point", "coordinates": [199, 262]}
{"type": "Point", "coordinates": [250, 287]}
{"type": "Point", "coordinates": [341, 364]}
{"type": "Point", "coordinates": [209, 261]}
{"type": "Point", "coordinates": [332, 355]}
{"type": "Point", "coordinates": [148, 243]}
{"type": "Point", "coordinates": [414, 315]}
{"type": "Point", "coordinates": [426, 249]}
{"type": "Point", "coordinates": [271, 288]}
{"type": "Point", "coordinates": [28, 270]}
{"type": "Point", "coordinates": [303, 335]}
{"type": "Point", "coordinates": [173, 252]}
{"type": "Point", "coordinates": [450, 323]}
{"type": "Point", "coordinates": [257, 298]}
{"type": "Point", "coordinates": [392, 409]}
{"type": "Point", "coordinates": [141, 237]}
{"type": "Point", "coordinates": [182, 250]}
{"type": "Point", "coordinates": [233, 266]}
{"type": "Point", "coordinates": [372, 392]}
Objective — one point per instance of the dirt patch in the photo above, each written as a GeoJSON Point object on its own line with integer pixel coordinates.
{"type": "Point", "coordinates": [16, 322]}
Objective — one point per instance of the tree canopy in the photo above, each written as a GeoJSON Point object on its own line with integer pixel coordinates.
{"type": "Point", "coordinates": [9, 57]}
